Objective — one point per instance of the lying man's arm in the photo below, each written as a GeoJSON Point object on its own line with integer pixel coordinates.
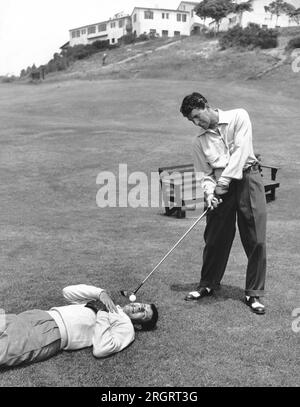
{"type": "Point", "coordinates": [82, 293]}
{"type": "Point", "coordinates": [113, 333]}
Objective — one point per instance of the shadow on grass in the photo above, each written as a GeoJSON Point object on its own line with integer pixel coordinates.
{"type": "Point", "coordinates": [222, 293]}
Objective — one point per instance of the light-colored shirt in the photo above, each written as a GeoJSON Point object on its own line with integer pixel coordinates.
{"type": "Point", "coordinates": [80, 327]}
{"type": "Point", "coordinates": [224, 153]}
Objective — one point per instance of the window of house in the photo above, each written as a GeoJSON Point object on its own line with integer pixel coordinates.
{"type": "Point", "coordinates": [92, 29]}
{"type": "Point", "coordinates": [83, 32]}
{"type": "Point", "coordinates": [178, 17]}
{"type": "Point", "coordinates": [165, 33]}
{"type": "Point", "coordinates": [78, 33]}
{"type": "Point", "coordinates": [102, 27]}
{"type": "Point", "coordinates": [121, 23]}
{"type": "Point", "coordinates": [167, 16]}
{"type": "Point", "coordinates": [134, 18]}
{"type": "Point", "coordinates": [176, 33]}
{"type": "Point", "coordinates": [73, 34]}
{"type": "Point", "coordinates": [184, 18]}
{"type": "Point", "coordinates": [163, 15]}
{"type": "Point", "coordinates": [148, 15]}
{"type": "Point", "coordinates": [113, 24]}
{"type": "Point", "coordinates": [113, 40]}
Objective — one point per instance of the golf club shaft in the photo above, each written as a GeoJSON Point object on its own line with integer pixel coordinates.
{"type": "Point", "coordinates": [172, 249]}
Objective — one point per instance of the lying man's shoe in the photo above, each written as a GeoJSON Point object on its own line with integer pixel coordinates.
{"type": "Point", "coordinates": [255, 305]}
{"type": "Point", "coordinates": [198, 294]}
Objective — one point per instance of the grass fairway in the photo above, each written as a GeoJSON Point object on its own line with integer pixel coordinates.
{"type": "Point", "coordinates": [55, 139]}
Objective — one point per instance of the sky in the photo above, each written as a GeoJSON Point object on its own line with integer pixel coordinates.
{"type": "Point", "coordinates": [31, 31]}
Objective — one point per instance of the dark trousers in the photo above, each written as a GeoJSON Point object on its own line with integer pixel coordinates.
{"type": "Point", "coordinates": [246, 202]}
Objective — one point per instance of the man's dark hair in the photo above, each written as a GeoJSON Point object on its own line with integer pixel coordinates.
{"type": "Point", "coordinates": [149, 325]}
{"type": "Point", "coordinates": [191, 102]}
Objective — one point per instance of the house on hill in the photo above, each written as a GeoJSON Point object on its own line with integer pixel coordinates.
{"type": "Point", "coordinates": [260, 15]}
{"type": "Point", "coordinates": [161, 22]}
{"type": "Point", "coordinates": [171, 23]}
{"type": "Point", "coordinates": [196, 23]}
{"type": "Point", "coordinates": [155, 21]}
{"type": "Point", "coordinates": [110, 30]}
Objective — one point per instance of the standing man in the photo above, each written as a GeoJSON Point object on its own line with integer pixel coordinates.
{"type": "Point", "coordinates": [228, 169]}
{"type": "Point", "coordinates": [92, 319]}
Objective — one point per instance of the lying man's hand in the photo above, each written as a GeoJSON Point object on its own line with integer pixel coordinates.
{"type": "Point", "coordinates": [212, 201]}
{"type": "Point", "coordinates": [108, 302]}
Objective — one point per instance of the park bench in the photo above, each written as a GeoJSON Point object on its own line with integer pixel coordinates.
{"type": "Point", "coordinates": [181, 192]}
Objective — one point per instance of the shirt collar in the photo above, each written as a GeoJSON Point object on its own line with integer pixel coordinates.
{"type": "Point", "coordinates": [223, 119]}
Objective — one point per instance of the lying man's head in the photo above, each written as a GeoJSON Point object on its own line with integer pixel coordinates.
{"type": "Point", "coordinates": [143, 316]}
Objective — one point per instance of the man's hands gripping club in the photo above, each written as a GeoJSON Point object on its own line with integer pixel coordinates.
{"type": "Point", "coordinates": [215, 199]}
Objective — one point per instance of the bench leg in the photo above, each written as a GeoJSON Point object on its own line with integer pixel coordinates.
{"type": "Point", "coordinates": [180, 213]}
{"type": "Point", "coordinates": [273, 194]}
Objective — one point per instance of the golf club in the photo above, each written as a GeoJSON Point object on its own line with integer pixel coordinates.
{"type": "Point", "coordinates": [131, 294]}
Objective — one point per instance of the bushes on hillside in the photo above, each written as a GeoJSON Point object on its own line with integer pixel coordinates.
{"type": "Point", "coordinates": [251, 36]}
{"type": "Point", "coordinates": [293, 43]}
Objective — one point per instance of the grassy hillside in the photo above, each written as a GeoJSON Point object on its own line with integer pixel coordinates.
{"type": "Point", "coordinates": [189, 58]}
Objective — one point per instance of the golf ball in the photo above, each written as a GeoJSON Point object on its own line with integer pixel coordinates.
{"type": "Point", "coordinates": [132, 298]}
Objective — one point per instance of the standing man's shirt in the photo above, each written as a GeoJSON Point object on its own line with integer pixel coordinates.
{"type": "Point", "coordinates": [81, 327]}
{"type": "Point", "coordinates": [225, 151]}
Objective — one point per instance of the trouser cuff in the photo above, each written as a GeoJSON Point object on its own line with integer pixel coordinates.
{"type": "Point", "coordinates": [255, 293]}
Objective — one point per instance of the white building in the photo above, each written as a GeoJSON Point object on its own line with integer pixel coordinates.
{"type": "Point", "coordinates": [196, 22]}
{"type": "Point", "coordinates": [110, 30]}
{"type": "Point", "coordinates": [155, 21]}
{"type": "Point", "coordinates": [170, 23]}
{"type": "Point", "coordinates": [259, 15]}
{"type": "Point", "coordinates": [164, 22]}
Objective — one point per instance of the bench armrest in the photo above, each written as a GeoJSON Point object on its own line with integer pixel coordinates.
{"type": "Point", "coordinates": [273, 170]}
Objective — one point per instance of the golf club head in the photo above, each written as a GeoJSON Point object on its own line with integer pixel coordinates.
{"type": "Point", "coordinates": [129, 295]}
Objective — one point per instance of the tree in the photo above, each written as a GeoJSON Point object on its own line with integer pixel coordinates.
{"type": "Point", "coordinates": [215, 9]}
{"type": "Point", "coordinates": [295, 15]}
{"type": "Point", "coordinates": [240, 8]}
{"type": "Point", "coordinates": [23, 73]}
{"type": "Point", "coordinates": [279, 7]}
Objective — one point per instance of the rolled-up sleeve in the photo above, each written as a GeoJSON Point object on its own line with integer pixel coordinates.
{"type": "Point", "coordinates": [204, 172]}
{"type": "Point", "coordinates": [81, 293]}
{"type": "Point", "coordinates": [240, 151]}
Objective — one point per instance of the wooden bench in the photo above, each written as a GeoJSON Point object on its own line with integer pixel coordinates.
{"type": "Point", "coordinates": [180, 190]}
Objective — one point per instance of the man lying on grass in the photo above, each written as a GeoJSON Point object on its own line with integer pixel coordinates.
{"type": "Point", "coordinates": [92, 319]}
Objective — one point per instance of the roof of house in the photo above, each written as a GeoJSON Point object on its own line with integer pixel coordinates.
{"type": "Point", "coordinates": [189, 2]}
{"type": "Point", "coordinates": [101, 22]}
{"type": "Point", "coordinates": [65, 45]}
{"type": "Point", "coordinates": [159, 9]}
